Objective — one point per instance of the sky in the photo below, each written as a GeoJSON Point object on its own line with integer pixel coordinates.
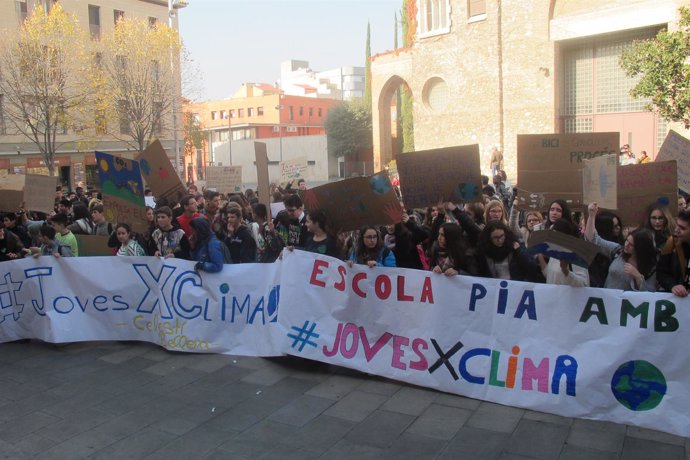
{"type": "Point", "coordinates": [238, 41]}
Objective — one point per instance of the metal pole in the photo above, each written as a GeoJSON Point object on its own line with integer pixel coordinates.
{"type": "Point", "coordinates": [171, 14]}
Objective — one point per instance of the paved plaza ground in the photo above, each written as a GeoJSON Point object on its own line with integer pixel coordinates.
{"type": "Point", "coordinates": [116, 400]}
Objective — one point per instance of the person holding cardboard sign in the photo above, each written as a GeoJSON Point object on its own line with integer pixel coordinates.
{"type": "Point", "coordinates": [633, 265]}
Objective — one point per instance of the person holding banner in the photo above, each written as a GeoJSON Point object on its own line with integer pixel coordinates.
{"type": "Point", "coordinates": [240, 240]}
{"type": "Point", "coordinates": [206, 248]}
{"type": "Point", "coordinates": [318, 240]}
{"type": "Point", "coordinates": [167, 240]}
{"type": "Point", "coordinates": [128, 245]}
{"type": "Point", "coordinates": [633, 265]}
{"type": "Point", "coordinates": [449, 254]}
{"type": "Point", "coordinates": [370, 250]}
{"type": "Point", "coordinates": [11, 246]}
{"type": "Point", "coordinates": [501, 256]}
{"type": "Point", "coordinates": [561, 271]}
{"type": "Point", "coordinates": [672, 270]}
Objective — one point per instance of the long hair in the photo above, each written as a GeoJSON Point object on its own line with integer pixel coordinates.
{"type": "Point", "coordinates": [605, 224]}
{"type": "Point", "coordinates": [202, 229]}
{"type": "Point", "coordinates": [645, 251]}
{"type": "Point", "coordinates": [488, 248]}
{"type": "Point", "coordinates": [567, 213]}
{"type": "Point", "coordinates": [495, 204]}
{"type": "Point", "coordinates": [670, 221]}
{"type": "Point", "coordinates": [455, 243]}
{"type": "Point", "coordinates": [364, 254]}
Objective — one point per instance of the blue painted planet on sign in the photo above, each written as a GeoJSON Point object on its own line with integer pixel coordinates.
{"type": "Point", "coordinates": [380, 184]}
{"type": "Point", "coordinates": [638, 385]}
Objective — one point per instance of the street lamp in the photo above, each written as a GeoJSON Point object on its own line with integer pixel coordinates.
{"type": "Point", "coordinates": [279, 108]}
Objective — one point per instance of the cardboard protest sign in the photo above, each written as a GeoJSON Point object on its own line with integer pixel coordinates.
{"type": "Point", "coordinates": [641, 185]}
{"type": "Point", "coordinates": [264, 187]}
{"type": "Point", "coordinates": [550, 165]}
{"type": "Point", "coordinates": [34, 192]}
{"type": "Point", "coordinates": [122, 190]}
{"type": "Point", "coordinates": [676, 147]}
{"type": "Point", "coordinates": [599, 181]}
{"type": "Point", "coordinates": [93, 245]}
{"type": "Point", "coordinates": [354, 202]}
{"type": "Point", "coordinates": [562, 247]}
{"type": "Point", "coordinates": [224, 179]}
{"type": "Point", "coordinates": [432, 176]}
{"type": "Point", "coordinates": [159, 173]}
{"type": "Point", "coordinates": [295, 168]}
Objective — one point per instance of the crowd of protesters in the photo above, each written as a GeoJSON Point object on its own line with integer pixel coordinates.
{"type": "Point", "coordinates": [488, 238]}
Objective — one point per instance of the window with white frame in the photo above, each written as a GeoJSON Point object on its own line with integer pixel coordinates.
{"type": "Point", "coordinates": [433, 17]}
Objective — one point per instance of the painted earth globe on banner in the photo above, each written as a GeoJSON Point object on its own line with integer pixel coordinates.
{"type": "Point", "coordinates": [380, 184]}
{"type": "Point", "coordinates": [638, 385]}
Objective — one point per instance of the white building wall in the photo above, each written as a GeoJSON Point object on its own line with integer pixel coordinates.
{"type": "Point", "coordinates": [313, 147]}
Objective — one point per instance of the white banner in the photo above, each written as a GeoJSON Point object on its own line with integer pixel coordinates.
{"type": "Point", "coordinates": [577, 352]}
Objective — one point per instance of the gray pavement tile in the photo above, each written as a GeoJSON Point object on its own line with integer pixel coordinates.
{"type": "Point", "coordinates": [259, 440]}
{"type": "Point", "coordinates": [208, 363]}
{"type": "Point", "coordinates": [34, 444]}
{"type": "Point", "coordinates": [225, 396]}
{"type": "Point", "coordinates": [439, 422]}
{"type": "Point", "coordinates": [81, 446]}
{"type": "Point", "coordinates": [224, 375]}
{"type": "Point", "coordinates": [138, 445]}
{"type": "Point", "coordinates": [125, 425]}
{"type": "Point", "coordinates": [537, 440]}
{"type": "Point", "coordinates": [286, 452]}
{"type": "Point", "coordinates": [599, 425]}
{"type": "Point", "coordinates": [380, 387]}
{"type": "Point", "coordinates": [122, 404]}
{"type": "Point", "coordinates": [410, 401]}
{"type": "Point", "coordinates": [687, 449]}
{"type": "Point", "coordinates": [347, 450]}
{"type": "Point", "coordinates": [242, 416]}
{"type": "Point", "coordinates": [11, 452]}
{"type": "Point", "coordinates": [495, 417]}
{"type": "Point", "coordinates": [179, 377]}
{"type": "Point", "coordinates": [249, 362]}
{"type": "Point", "coordinates": [571, 452]}
{"type": "Point", "coordinates": [286, 390]}
{"type": "Point", "coordinates": [604, 437]}
{"type": "Point", "coordinates": [187, 418]}
{"type": "Point", "coordinates": [548, 418]}
{"type": "Point", "coordinates": [335, 387]}
{"type": "Point", "coordinates": [414, 447]}
{"type": "Point", "coordinates": [653, 435]}
{"type": "Point", "coordinates": [266, 376]}
{"type": "Point", "coordinates": [195, 444]}
{"type": "Point", "coordinates": [461, 402]}
{"type": "Point", "coordinates": [301, 411]}
{"type": "Point", "coordinates": [87, 398]}
{"type": "Point", "coordinates": [644, 449]}
{"type": "Point", "coordinates": [26, 406]}
{"type": "Point", "coordinates": [380, 429]}
{"type": "Point", "coordinates": [511, 456]}
{"type": "Point", "coordinates": [70, 426]}
{"type": "Point", "coordinates": [320, 434]}
{"type": "Point", "coordinates": [356, 406]}
{"type": "Point", "coordinates": [475, 443]}
{"type": "Point", "coordinates": [120, 356]}
{"type": "Point", "coordinates": [156, 354]}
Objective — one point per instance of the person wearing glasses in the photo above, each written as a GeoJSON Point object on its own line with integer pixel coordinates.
{"type": "Point", "coordinates": [370, 250]}
{"type": "Point", "coordinates": [501, 256]}
{"type": "Point", "coordinates": [532, 218]}
{"type": "Point", "coordinates": [291, 222]}
{"type": "Point", "coordinates": [658, 219]}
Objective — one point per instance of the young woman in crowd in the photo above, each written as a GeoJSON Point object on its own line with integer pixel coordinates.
{"type": "Point", "coordinates": [403, 238]}
{"type": "Point", "coordinates": [532, 218]}
{"type": "Point", "coordinates": [500, 255]}
{"type": "Point", "coordinates": [449, 255]}
{"type": "Point", "coordinates": [495, 211]}
{"type": "Point", "coordinates": [658, 219]}
{"type": "Point", "coordinates": [206, 248]}
{"type": "Point", "coordinates": [128, 244]}
{"type": "Point", "coordinates": [370, 250]}
{"type": "Point", "coordinates": [561, 271]}
{"type": "Point", "coordinates": [558, 209]}
{"type": "Point", "coordinates": [633, 266]}
{"type": "Point", "coordinates": [318, 240]}
{"type": "Point", "coordinates": [10, 245]}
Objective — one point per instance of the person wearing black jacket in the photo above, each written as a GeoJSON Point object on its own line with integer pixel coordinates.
{"type": "Point", "coordinates": [240, 240]}
{"type": "Point", "coordinates": [672, 271]}
{"type": "Point", "coordinates": [500, 255]}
